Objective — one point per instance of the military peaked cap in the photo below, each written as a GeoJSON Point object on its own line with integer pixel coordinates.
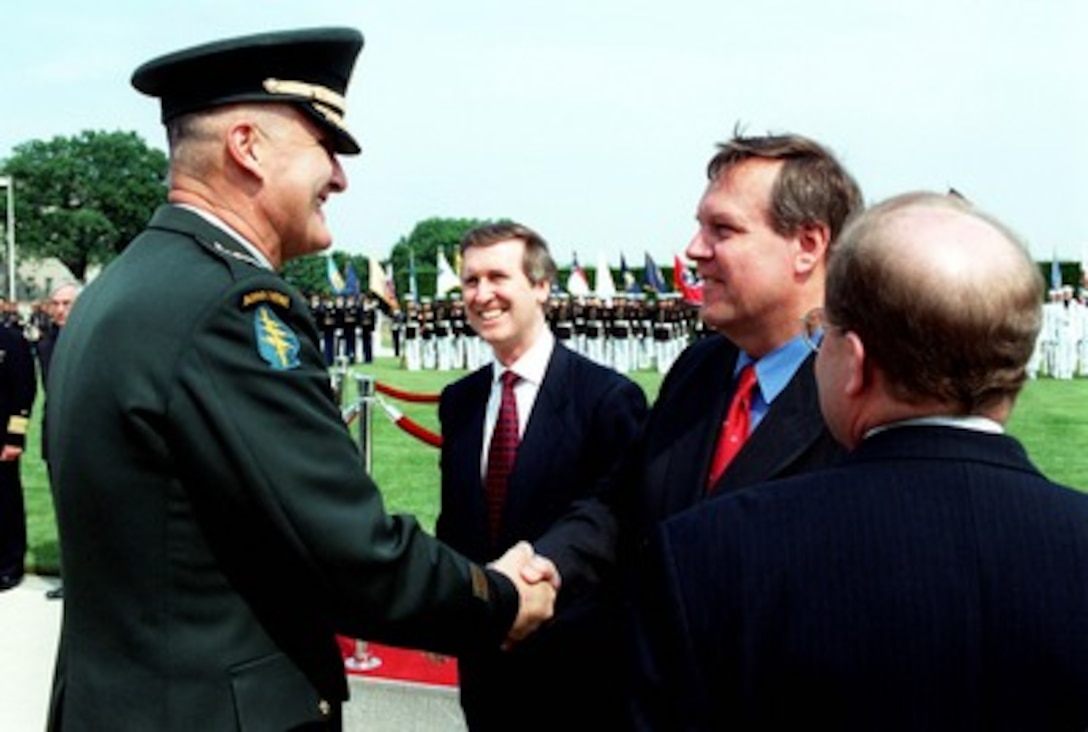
{"type": "Point", "coordinates": [308, 68]}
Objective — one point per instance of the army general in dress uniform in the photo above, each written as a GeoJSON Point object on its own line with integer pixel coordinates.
{"type": "Point", "coordinates": [217, 526]}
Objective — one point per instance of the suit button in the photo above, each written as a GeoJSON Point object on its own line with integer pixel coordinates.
{"type": "Point", "coordinates": [324, 709]}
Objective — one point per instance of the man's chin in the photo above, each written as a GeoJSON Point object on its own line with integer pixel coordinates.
{"type": "Point", "coordinates": [713, 319]}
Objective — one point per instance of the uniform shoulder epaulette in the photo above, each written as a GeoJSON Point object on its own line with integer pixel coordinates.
{"type": "Point", "coordinates": [235, 254]}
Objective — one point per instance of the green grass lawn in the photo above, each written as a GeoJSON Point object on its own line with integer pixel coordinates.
{"type": "Point", "coordinates": [1048, 421]}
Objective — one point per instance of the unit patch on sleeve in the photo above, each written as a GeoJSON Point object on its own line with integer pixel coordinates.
{"type": "Point", "coordinates": [277, 344]}
{"type": "Point", "coordinates": [256, 297]}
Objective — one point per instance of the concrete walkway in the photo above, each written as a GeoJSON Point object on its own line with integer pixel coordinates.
{"type": "Point", "coordinates": [29, 624]}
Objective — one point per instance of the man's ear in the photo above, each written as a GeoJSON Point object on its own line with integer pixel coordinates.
{"type": "Point", "coordinates": [813, 241]}
{"type": "Point", "coordinates": [245, 146]}
{"type": "Point", "coordinates": [857, 379]}
{"type": "Point", "coordinates": [543, 291]}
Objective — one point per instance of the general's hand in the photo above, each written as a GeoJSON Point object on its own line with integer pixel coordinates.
{"type": "Point", "coordinates": [10, 452]}
{"type": "Point", "coordinates": [537, 600]}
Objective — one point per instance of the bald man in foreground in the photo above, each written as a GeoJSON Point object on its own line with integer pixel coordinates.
{"type": "Point", "coordinates": [935, 580]}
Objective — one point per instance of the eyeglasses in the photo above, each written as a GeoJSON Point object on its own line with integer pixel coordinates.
{"type": "Point", "coordinates": [814, 324]}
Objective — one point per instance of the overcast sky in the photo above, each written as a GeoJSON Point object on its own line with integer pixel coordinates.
{"type": "Point", "coordinates": [592, 120]}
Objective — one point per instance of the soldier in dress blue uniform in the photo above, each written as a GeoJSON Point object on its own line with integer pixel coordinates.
{"type": "Point", "coordinates": [18, 386]}
{"type": "Point", "coordinates": [218, 528]}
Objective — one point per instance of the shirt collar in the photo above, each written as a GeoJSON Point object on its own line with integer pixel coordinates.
{"type": "Point", "coordinates": [775, 369]}
{"type": "Point", "coordinates": [971, 422]}
{"type": "Point", "coordinates": [533, 363]}
{"type": "Point", "coordinates": [211, 218]}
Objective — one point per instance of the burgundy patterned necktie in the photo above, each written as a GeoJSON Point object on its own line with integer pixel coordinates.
{"type": "Point", "coordinates": [501, 453]}
{"type": "Point", "coordinates": [736, 426]}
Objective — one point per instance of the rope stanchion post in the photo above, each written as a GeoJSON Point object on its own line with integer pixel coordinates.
{"type": "Point", "coordinates": [361, 658]}
{"type": "Point", "coordinates": [365, 390]}
{"type": "Point", "coordinates": [337, 376]}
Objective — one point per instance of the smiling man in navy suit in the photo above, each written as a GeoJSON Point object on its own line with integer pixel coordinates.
{"type": "Point", "coordinates": [769, 216]}
{"type": "Point", "coordinates": [575, 421]}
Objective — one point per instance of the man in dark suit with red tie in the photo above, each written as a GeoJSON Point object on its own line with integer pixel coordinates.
{"type": "Point", "coordinates": [771, 212]}
{"type": "Point", "coordinates": [933, 580]}
{"type": "Point", "coordinates": [529, 442]}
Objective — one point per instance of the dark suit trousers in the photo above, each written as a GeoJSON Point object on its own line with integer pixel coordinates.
{"type": "Point", "coordinates": [12, 520]}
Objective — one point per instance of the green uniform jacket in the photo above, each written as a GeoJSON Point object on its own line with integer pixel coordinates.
{"type": "Point", "coordinates": [216, 524]}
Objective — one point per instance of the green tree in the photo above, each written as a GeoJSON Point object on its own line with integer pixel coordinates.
{"type": "Point", "coordinates": [82, 199]}
{"type": "Point", "coordinates": [310, 274]}
{"type": "Point", "coordinates": [307, 274]}
{"type": "Point", "coordinates": [420, 249]}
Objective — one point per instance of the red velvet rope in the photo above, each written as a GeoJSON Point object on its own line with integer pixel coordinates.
{"type": "Point", "coordinates": [406, 396]}
{"type": "Point", "coordinates": [418, 431]}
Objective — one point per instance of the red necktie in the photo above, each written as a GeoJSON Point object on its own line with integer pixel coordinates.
{"type": "Point", "coordinates": [736, 426]}
{"type": "Point", "coordinates": [501, 453]}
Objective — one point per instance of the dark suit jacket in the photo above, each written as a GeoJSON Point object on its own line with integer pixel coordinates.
{"type": "Point", "coordinates": [582, 426]}
{"type": "Point", "coordinates": [935, 581]}
{"type": "Point", "coordinates": [682, 431]}
{"type": "Point", "coordinates": [673, 461]}
{"type": "Point", "coordinates": [217, 526]}
{"type": "Point", "coordinates": [44, 350]}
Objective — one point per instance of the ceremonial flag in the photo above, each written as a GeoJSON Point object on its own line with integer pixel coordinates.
{"type": "Point", "coordinates": [447, 280]}
{"type": "Point", "coordinates": [413, 285]}
{"type": "Point", "coordinates": [605, 285]}
{"type": "Point", "coordinates": [336, 280]}
{"type": "Point", "coordinates": [391, 288]}
{"type": "Point", "coordinates": [351, 280]}
{"type": "Point", "coordinates": [1055, 274]}
{"type": "Point", "coordinates": [577, 284]}
{"type": "Point", "coordinates": [685, 282]}
{"type": "Point", "coordinates": [654, 281]}
{"type": "Point", "coordinates": [380, 285]}
{"type": "Point", "coordinates": [627, 277]}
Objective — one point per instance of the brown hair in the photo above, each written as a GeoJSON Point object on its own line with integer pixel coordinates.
{"type": "Point", "coordinates": [537, 264]}
{"type": "Point", "coordinates": [812, 187]}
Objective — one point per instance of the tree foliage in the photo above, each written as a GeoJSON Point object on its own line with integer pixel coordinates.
{"type": "Point", "coordinates": [420, 250]}
{"type": "Point", "coordinates": [310, 274]}
{"type": "Point", "coordinates": [81, 199]}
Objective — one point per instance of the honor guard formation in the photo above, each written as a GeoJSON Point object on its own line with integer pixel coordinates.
{"type": "Point", "coordinates": [625, 332]}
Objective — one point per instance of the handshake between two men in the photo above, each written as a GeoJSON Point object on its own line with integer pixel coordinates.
{"type": "Point", "coordinates": [537, 581]}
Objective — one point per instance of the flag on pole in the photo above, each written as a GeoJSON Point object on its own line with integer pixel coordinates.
{"type": "Point", "coordinates": [577, 284]}
{"type": "Point", "coordinates": [351, 280]}
{"type": "Point", "coordinates": [447, 280]}
{"type": "Point", "coordinates": [1055, 274]}
{"type": "Point", "coordinates": [336, 280]}
{"type": "Point", "coordinates": [685, 282]}
{"type": "Point", "coordinates": [413, 284]}
{"type": "Point", "coordinates": [380, 285]}
{"type": "Point", "coordinates": [605, 286]}
{"type": "Point", "coordinates": [654, 280]}
{"type": "Point", "coordinates": [391, 288]}
{"type": "Point", "coordinates": [627, 278]}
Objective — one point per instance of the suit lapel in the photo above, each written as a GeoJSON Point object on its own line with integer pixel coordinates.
{"type": "Point", "coordinates": [464, 457]}
{"type": "Point", "coordinates": [790, 426]}
{"type": "Point", "coordinates": [694, 417]}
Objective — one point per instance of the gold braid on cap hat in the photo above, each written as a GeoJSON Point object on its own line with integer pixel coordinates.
{"type": "Point", "coordinates": [330, 104]}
